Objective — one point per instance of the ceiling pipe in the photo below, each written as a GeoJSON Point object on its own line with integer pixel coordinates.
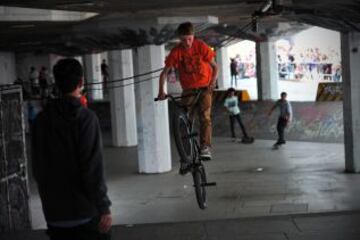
{"type": "Point", "coordinates": [269, 4]}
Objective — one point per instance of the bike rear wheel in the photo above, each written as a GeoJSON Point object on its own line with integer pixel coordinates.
{"type": "Point", "coordinates": [183, 138]}
{"type": "Point", "coordinates": [199, 176]}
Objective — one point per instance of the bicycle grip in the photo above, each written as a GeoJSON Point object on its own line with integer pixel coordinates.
{"type": "Point", "coordinates": [158, 99]}
{"type": "Point", "coordinates": [210, 184]}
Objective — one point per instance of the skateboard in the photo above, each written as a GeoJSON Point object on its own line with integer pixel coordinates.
{"type": "Point", "coordinates": [247, 140]}
{"type": "Point", "coordinates": [277, 146]}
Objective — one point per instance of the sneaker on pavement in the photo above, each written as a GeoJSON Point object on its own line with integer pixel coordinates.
{"type": "Point", "coordinates": [205, 153]}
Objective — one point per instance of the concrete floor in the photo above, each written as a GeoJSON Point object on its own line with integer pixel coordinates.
{"type": "Point", "coordinates": [252, 180]}
{"type": "Point", "coordinates": [330, 226]}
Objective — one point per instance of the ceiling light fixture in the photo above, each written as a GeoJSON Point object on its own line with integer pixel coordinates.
{"type": "Point", "coordinates": [267, 6]}
{"type": "Point", "coordinates": [80, 4]}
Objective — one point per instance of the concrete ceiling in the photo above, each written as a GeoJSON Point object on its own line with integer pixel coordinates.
{"type": "Point", "coordinates": [126, 24]}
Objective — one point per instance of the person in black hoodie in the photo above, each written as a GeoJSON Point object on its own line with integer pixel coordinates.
{"type": "Point", "coordinates": [67, 162]}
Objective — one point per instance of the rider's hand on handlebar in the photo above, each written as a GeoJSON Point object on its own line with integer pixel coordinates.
{"type": "Point", "coordinates": [162, 95]}
{"type": "Point", "coordinates": [211, 87]}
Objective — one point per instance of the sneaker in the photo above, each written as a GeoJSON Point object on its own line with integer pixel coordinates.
{"type": "Point", "coordinates": [205, 153]}
{"type": "Point", "coordinates": [184, 168]}
{"type": "Point", "coordinates": [233, 139]}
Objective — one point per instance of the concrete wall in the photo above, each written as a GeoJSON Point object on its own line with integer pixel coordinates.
{"type": "Point", "coordinates": [26, 60]}
{"type": "Point", "coordinates": [318, 122]}
{"type": "Point", "coordinates": [7, 68]}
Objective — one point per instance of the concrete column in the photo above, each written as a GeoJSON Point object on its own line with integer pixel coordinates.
{"type": "Point", "coordinates": [92, 64]}
{"type": "Point", "coordinates": [154, 153]}
{"type": "Point", "coordinates": [266, 70]}
{"type": "Point", "coordinates": [223, 60]}
{"type": "Point", "coordinates": [350, 48]}
{"type": "Point", "coordinates": [7, 68]}
{"type": "Point", "coordinates": [122, 99]}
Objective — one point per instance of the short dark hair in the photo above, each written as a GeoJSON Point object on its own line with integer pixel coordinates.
{"type": "Point", "coordinates": [68, 74]}
{"type": "Point", "coordinates": [283, 94]}
{"type": "Point", "coordinates": [230, 90]}
{"type": "Point", "coordinates": [186, 28]}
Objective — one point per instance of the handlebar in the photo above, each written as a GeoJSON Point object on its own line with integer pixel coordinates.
{"type": "Point", "coordinates": [197, 94]}
{"type": "Point", "coordinates": [172, 98]}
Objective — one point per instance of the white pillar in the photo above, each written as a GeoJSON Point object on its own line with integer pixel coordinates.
{"type": "Point", "coordinates": [267, 71]}
{"type": "Point", "coordinates": [122, 99]}
{"type": "Point", "coordinates": [351, 99]}
{"type": "Point", "coordinates": [153, 120]}
{"type": "Point", "coordinates": [223, 60]}
{"type": "Point", "coordinates": [92, 63]}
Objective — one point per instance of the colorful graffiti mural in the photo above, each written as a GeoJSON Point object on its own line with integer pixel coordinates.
{"type": "Point", "coordinates": [312, 121]}
{"type": "Point", "coordinates": [319, 122]}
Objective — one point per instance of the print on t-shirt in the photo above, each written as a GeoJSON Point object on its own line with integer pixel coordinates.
{"type": "Point", "coordinates": [232, 104]}
{"type": "Point", "coordinates": [191, 65]}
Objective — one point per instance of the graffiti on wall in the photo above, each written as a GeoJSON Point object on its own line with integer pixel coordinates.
{"type": "Point", "coordinates": [312, 121]}
{"type": "Point", "coordinates": [320, 122]}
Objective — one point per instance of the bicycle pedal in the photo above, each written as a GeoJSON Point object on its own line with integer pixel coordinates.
{"type": "Point", "coordinates": [184, 170]}
{"type": "Point", "coordinates": [209, 184]}
{"type": "Point", "coordinates": [205, 158]}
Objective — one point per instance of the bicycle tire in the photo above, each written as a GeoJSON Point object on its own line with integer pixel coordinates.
{"type": "Point", "coordinates": [199, 176]}
{"type": "Point", "coordinates": [182, 136]}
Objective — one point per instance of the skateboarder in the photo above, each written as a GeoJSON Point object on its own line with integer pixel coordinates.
{"type": "Point", "coordinates": [285, 115]}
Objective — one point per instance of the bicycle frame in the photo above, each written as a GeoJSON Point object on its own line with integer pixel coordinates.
{"type": "Point", "coordinates": [195, 144]}
{"type": "Point", "coordinates": [191, 120]}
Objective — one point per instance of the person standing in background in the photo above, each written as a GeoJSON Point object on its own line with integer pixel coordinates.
{"type": "Point", "coordinates": [34, 80]}
{"type": "Point", "coordinates": [43, 82]}
{"type": "Point", "coordinates": [104, 73]}
{"type": "Point", "coordinates": [234, 72]}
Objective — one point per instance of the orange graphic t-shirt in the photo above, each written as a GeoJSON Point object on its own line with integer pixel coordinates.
{"type": "Point", "coordinates": [193, 64]}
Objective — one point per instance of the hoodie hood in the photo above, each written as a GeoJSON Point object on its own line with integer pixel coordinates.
{"type": "Point", "coordinates": [65, 110]}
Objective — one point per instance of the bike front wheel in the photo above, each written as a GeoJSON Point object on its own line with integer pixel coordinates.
{"type": "Point", "coordinates": [183, 138]}
{"type": "Point", "coordinates": [199, 176]}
